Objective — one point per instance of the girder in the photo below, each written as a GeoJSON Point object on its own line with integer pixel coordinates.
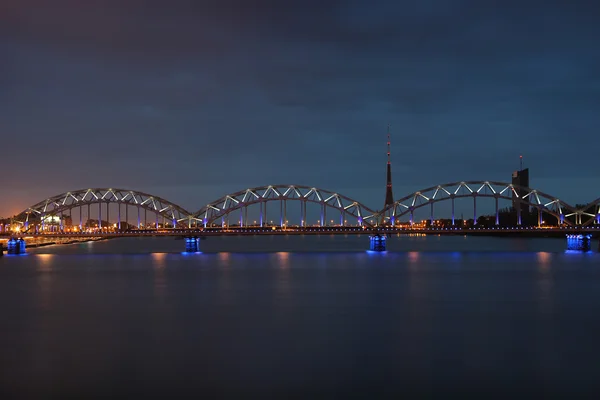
{"type": "Point", "coordinates": [493, 189]}
{"type": "Point", "coordinates": [263, 194]}
{"type": "Point", "coordinates": [69, 200]}
{"type": "Point", "coordinates": [327, 199]}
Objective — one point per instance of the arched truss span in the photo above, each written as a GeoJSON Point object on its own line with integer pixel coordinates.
{"type": "Point", "coordinates": [593, 206]}
{"type": "Point", "coordinates": [220, 208]}
{"type": "Point", "coordinates": [70, 200]}
{"type": "Point", "coordinates": [475, 189]}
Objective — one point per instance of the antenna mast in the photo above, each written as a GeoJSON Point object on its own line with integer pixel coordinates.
{"type": "Point", "coordinates": [521, 163]}
{"type": "Point", "coordinates": [388, 145]}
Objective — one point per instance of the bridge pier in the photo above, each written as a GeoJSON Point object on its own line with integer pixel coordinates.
{"type": "Point", "coordinates": [15, 246]}
{"type": "Point", "coordinates": [377, 242]}
{"type": "Point", "coordinates": [579, 242]}
{"type": "Point", "coordinates": [192, 244]}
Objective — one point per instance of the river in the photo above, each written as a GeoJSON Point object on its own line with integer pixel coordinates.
{"type": "Point", "coordinates": [300, 317]}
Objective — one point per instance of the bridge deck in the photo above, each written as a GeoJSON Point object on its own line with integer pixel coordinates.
{"type": "Point", "coordinates": [516, 231]}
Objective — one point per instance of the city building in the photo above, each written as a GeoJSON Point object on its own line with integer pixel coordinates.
{"type": "Point", "coordinates": [520, 178]}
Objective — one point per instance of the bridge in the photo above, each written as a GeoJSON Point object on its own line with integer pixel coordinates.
{"type": "Point", "coordinates": [297, 209]}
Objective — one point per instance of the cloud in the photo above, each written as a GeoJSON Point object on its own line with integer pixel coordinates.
{"type": "Point", "coordinates": [231, 93]}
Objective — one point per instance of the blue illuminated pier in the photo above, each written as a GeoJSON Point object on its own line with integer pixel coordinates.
{"type": "Point", "coordinates": [579, 242]}
{"type": "Point", "coordinates": [378, 242]}
{"type": "Point", "coordinates": [16, 246]}
{"type": "Point", "coordinates": [192, 244]}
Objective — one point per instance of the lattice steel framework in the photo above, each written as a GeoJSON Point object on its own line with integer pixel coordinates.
{"type": "Point", "coordinates": [579, 213]}
{"type": "Point", "coordinates": [85, 197]}
{"type": "Point", "coordinates": [240, 201]}
{"type": "Point", "coordinates": [474, 189]}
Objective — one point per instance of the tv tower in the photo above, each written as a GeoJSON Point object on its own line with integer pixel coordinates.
{"type": "Point", "coordinates": [389, 196]}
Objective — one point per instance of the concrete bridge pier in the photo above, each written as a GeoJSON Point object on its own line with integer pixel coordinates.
{"type": "Point", "coordinates": [377, 242]}
{"type": "Point", "coordinates": [579, 242]}
{"type": "Point", "coordinates": [15, 246]}
{"type": "Point", "coordinates": [192, 244]}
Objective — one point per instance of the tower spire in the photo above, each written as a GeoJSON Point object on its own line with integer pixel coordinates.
{"type": "Point", "coordinates": [521, 163]}
{"type": "Point", "coordinates": [388, 144]}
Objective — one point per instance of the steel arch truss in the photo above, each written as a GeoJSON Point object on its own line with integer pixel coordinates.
{"type": "Point", "coordinates": [69, 200]}
{"type": "Point", "coordinates": [474, 189]}
{"type": "Point", "coordinates": [585, 211]}
{"type": "Point", "coordinates": [220, 208]}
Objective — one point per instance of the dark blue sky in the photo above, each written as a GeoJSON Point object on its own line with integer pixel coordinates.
{"type": "Point", "coordinates": [190, 100]}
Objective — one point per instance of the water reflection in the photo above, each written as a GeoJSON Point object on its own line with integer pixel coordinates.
{"type": "Point", "coordinates": [159, 264]}
{"type": "Point", "coordinates": [283, 279]}
{"type": "Point", "coordinates": [45, 280]}
{"type": "Point", "coordinates": [543, 259]}
{"type": "Point", "coordinates": [545, 281]}
{"type": "Point", "coordinates": [225, 286]}
{"type": "Point", "coordinates": [413, 260]}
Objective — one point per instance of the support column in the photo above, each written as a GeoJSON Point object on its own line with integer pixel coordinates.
{"type": "Point", "coordinates": [540, 217]}
{"type": "Point", "coordinates": [285, 220]}
{"type": "Point", "coordinates": [452, 211]}
{"type": "Point", "coordinates": [412, 215]}
{"type": "Point", "coordinates": [519, 212]}
{"type": "Point", "coordinates": [127, 215]}
{"type": "Point", "coordinates": [579, 242]}
{"type": "Point", "coordinates": [304, 213]}
{"type": "Point", "coordinates": [246, 215]}
{"type": "Point", "coordinates": [474, 210]}
{"type": "Point", "coordinates": [156, 220]}
{"type": "Point", "coordinates": [119, 216]}
{"type": "Point", "coordinates": [432, 219]}
{"type": "Point", "coordinates": [139, 221]}
{"type": "Point", "coordinates": [377, 242]}
{"type": "Point", "coordinates": [322, 214]}
{"type": "Point", "coordinates": [107, 215]}
{"type": "Point", "coordinates": [192, 244]}
{"type": "Point", "coordinates": [241, 217]}
{"type": "Point", "coordinates": [497, 213]}
{"type": "Point", "coordinates": [261, 214]}
{"type": "Point", "coordinates": [281, 213]}
{"type": "Point", "coordinates": [15, 246]}
{"type": "Point", "coordinates": [100, 216]}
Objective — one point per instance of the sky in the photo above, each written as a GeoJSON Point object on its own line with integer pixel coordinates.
{"type": "Point", "coordinates": [191, 100]}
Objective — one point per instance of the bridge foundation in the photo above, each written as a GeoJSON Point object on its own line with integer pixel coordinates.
{"type": "Point", "coordinates": [377, 242]}
{"type": "Point", "coordinates": [192, 244]}
{"type": "Point", "coordinates": [579, 242]}
{"type": "Point", "coordinates": [15, 246]}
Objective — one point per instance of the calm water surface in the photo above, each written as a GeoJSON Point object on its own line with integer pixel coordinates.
{"type": "Point", "coordinates": [321, 318]}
